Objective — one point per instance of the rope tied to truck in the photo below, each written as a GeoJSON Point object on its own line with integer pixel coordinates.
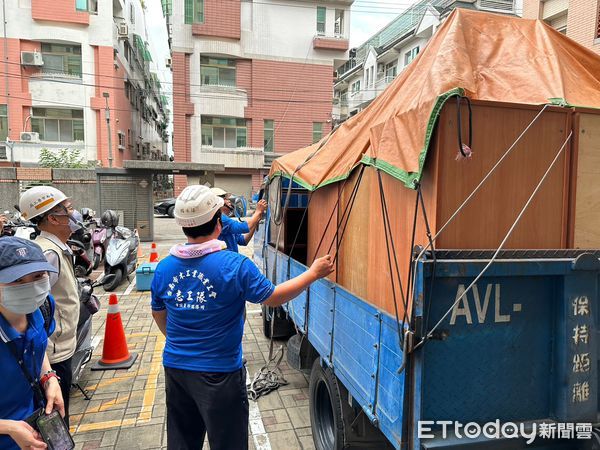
{"type": "Point", "coordinates": [430, 333]}
{"type": "Point", "coordinates": [270, 377]}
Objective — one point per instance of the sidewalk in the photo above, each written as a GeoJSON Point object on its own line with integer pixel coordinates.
{"type": "Point", "coordinates": [127, 408]}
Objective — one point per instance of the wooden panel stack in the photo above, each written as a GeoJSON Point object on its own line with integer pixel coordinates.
{"type": "Point", "coordinates": [551, 221]}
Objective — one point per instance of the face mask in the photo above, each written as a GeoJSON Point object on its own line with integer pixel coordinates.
{"type": "Point", "coordinates": [25, 298]}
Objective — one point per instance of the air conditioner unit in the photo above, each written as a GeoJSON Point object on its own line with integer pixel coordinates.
{"type": "Point", "coordinates": [123, 30]}
{"type": "Point", "coordinates": [335, 74]}
{"type": "Point", "coordinates": [168, 62]}
{"type": "Point", "coordinates": [30, 136]}
{"type": "Point", "coordinates": [31, 59]}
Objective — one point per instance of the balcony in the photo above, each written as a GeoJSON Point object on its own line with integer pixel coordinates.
{"type": "Point", "coordinates": [236, 158]}
{"type": "Point", "coordinates": [270, 157]}
{"type": "Point", "coordinates": [217, 100]}
{"type": "Point", "coordinates": [339, 43]}
{"type": "Point", "coordinates": [29, 152]}
{"type": "Point", "coordinates": [382, 84]}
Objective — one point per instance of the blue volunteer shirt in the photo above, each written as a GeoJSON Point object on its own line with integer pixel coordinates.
{"type": "Point", "coordinates": [16, 399]}
{"type": "Point", "coordinates": [204, 299]}
{"type": "Point", "coordinates": [231, 229]}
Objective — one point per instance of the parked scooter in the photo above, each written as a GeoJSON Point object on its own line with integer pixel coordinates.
{"type": "Point", "coordinates": [16, 226]}
{"type": "Point", "coordinates": [80, 243]}
{"type": "Point", "coordinates": [89, 305]}
{"type": "Point", "coordinates": [121, 253]}
{"type": "Point", "coordinates": [99, 243]}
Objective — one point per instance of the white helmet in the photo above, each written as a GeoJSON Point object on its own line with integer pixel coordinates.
{"type": "Point", "coordinates": [39, 200]}
{"type": "Point", "coordinates": [195, 206]}
{"type": "Point", "coordinates": [218, 191]}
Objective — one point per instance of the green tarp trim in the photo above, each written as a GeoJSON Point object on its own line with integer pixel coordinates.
{"type": "Point", "coordinates": [411, 179]}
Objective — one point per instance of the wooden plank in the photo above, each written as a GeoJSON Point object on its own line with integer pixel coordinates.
{"type": "Point", "coordinates": [353, 258]}
{"type": "Point", "coordinates": [486, 219]}
{"type": "Point", "coordinates": [322, 204]}
{"type": "Point", "coordinates": [587, 203]}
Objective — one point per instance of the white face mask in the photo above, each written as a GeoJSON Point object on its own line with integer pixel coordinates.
{"type": "Point", "coordinates": [25, 298]}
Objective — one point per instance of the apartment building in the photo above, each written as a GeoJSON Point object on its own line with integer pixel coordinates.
{"type": "Point", "coordinates": [578, 19]}
{"type": "Point", "coordinates": [372, 66]}
{"type": "Point", "coordinates": [252, 80]}
{"type": "Point", "coordinates": [71, 64]}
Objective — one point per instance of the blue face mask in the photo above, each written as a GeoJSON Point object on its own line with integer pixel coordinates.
{"type": "Point", "coordinates": [25, 298]}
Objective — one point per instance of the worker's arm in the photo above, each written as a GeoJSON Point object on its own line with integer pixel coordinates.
{"type": "Point", "coordinates": [160, 317]}
{"type": "Point", "coordinates": [289, 290]}
{"type": "Point", "coordinates": [253, 222]}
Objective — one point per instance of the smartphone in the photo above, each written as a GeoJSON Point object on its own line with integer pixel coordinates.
{"type": "Point", "coordinates": [33, 418]}
{"type": "Point", "coordinates": [54, 432]}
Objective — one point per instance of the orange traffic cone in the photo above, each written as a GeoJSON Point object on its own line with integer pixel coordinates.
{"type": "Point", "coordinates": [140, 254]}
{"type": "Point", "coordinates": [153, 253]}
{"type": "Point", "coordinates": [115, 354]}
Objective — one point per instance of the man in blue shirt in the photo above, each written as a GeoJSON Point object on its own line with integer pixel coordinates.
{"type": "Point", "coordinates": [233, 231]}
{"type": "Point", "coordinates": [198, 298]}
{"type": "Point", "coordinates": [24, 331]}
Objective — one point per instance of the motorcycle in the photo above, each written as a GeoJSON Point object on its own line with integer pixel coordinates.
{"type": "Point", "coordinates": [99, 243]}
{"type": "Point", "coordinates": [80, 243]}
{"type": "Point", "coordinates": [121, 256]}
{"type": "Point", "coordinates": [89, 305]}
{"type": "Point", "coordinates": [16, 226]}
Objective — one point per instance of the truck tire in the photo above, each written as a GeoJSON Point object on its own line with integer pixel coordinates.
{"type": "Point", "coordinates": [325, 404]}
{"type": "Point", "coordinates": [171, 212]}
{"type": "Point", "coordinates": [282, 326]}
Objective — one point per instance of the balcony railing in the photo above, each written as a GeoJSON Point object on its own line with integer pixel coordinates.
{"type": "Point", "coordinates": [241, 157]}
{"type": "Point", "coordinates": [41, 75]}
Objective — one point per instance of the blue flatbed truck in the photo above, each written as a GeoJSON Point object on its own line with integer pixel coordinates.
{"type": "Point", "coordinates": [520, 348]}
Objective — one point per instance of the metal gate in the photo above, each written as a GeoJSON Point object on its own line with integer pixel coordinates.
{"type": "Point", "coordinates": [131, 197]}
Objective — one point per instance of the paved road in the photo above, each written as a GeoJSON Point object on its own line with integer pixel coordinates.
{"type": "Point", "coordinates": [127, 408]}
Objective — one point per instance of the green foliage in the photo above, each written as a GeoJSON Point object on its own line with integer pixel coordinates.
{"type": "Point", "coordinates": [64, 159]}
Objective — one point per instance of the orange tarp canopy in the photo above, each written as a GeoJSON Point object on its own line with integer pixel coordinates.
{"type": "Point", "coordinates": [482, 56]}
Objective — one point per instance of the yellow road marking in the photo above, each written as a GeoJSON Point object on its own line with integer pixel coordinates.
{"type": "Point", "coordinates": [150, 393]}
{"type": "Point", "coordinates": [145, 414]}
{"type": "Point", "coordinates": [110, 381]}
{"type": "Point", "coordinates": [102, 425]}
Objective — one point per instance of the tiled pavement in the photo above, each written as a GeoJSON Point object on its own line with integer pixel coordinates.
{"type": "Point", "coordinates": [127, 408]}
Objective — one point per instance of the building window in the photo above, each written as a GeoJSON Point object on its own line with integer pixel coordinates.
{"type": "Point", "coordinates": [61, 59]}
{"type": "Point", "coordinates": [355, 87]}
{"type": "Point", "coordinates": [90, 6]}
{"type": "Point", "coordinates": [217, 72]}
{"type": "Point", "coordinates": [194, 11]}
{"type": "Point", "coordinates": [317, 131]}
{"type": "Point", "coordinates": [127, 50]}
{"type": "Point", "coordinates": [269, 135]}
{"type": "Point", "coordinates": [3, 123]}
{"type": "Point", "coordinates": [132, 12]}
{"type": "Point", "coordinates": [121, 140]}
{"type": "Point", "coordinates": [339, 22]}
{"type": "Point", "coordinates": [391, 70]}
{"type": "Point", "coordinates": [58, 125]}
{"type": "Point", "coordinates": [321, 14]}
{"type": "Point", "coordinates": [224, 132]}
{"type": "Point", "coordinates": [410, 55]}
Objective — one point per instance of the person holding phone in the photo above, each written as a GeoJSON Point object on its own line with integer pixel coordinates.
{"type": "Point", "coordinates": [26, 322]}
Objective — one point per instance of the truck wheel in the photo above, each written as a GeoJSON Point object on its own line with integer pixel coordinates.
{"type": "Point", "coordinates": [326, 415]}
